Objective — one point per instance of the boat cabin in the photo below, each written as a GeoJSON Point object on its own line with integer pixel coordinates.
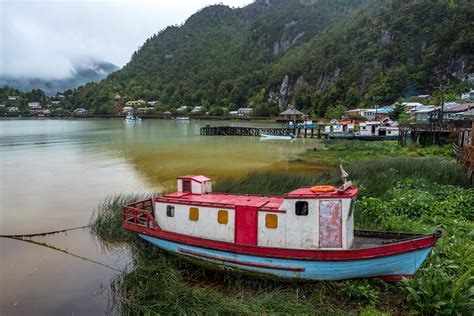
{"type": "Point", "coordinates": [305, 218]}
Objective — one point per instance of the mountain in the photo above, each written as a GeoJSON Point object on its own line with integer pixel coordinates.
{"type": "Point", "coordinates": [310, 53]}
{"type": "Point", "coordinates": [91, 71]}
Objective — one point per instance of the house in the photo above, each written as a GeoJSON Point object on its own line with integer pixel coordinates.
{"type": "Point", "coordinates": [144, 110]}
{"type": "Point", "coordinates": [135, 102]}
{"type": "Point", "coordinates": [234, 113]}
{"type": "Point", "coordinates": [127, 110]}
{"type": "Point", "coordinates": [167, 114]}
{"type": "Point", "coordinates": [450, 111]}
{"type": "Point", "coordinates": [13, 97]}
{"type": "Point", "coordinates": [55, 102]}
{"type": "Point", "coordinates": [343, 126]}
{"type": "Point", "coordinates": [244, 112]}
{"type": "Point", "coordinates": [34, 105]}
{"type": "Point", "coordinates": [375, 114]}
{"type": "Point", "coordinates": [427, 114]}
{"type": "Point", "coordinates": [2, 106]}
{"type": "Point", "coordinates": [354, 113]}
{"type": "Point", "coordinates": [196, 109]}
{"type": "Point", "coordinates": [292, 115]}
{"type": "Point", "coordinates": [468, 96]}
{"type": "Point", "coordinates": [183, 108]}
{"type": "Point", "coordinates": [80, 111]}
{"type": "Point", "coordinates": [411, 107]}
{"type": "Point", "coordinates": [423, 96]}
{"type": "Point", "coordinates": [152, 103]}
{"type": "Point", "coordinates": [13, 109]}
{"type": "Point", "coordinates": [378, 129]}
{"type": "Point", "coordinates": [467, 115]}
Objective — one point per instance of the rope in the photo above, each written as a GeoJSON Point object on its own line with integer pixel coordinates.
{"type": "Point", "coordinates": [44, 234]}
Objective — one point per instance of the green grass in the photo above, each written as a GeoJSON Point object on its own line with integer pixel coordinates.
{"type": "Point", "coordinates": [410, 193]}
{"type": "Point", "coordinates": [336, 151]}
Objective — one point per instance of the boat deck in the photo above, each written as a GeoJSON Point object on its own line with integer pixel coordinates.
{"type": "Point", "coordinates": [369, 239]}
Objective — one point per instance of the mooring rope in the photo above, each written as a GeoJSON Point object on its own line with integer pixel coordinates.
{"type": "Point", "coordinates": [42, 244]}
{"type": "Point", "coordinates": [45, 233]}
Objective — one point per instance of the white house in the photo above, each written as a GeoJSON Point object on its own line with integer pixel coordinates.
{"type": "Point", "coordinates": [135, 102]}
{"type": "Point", "coordinates": [183, 108]}
{"type": "Point", "coordinates": [196, 109]}
{"type": "Point", "coordinates": [80, 111]}
{"type": "Point", "coordinates": [13, 109]}
{"type": "Point", "coordinates": [468, 95]}
{"type": "Point", "coordinates": [13, 97]}
{"type": "Point", "coordinates": [34, 105]}
{"type": "Point", "coordinates": [244, 112]}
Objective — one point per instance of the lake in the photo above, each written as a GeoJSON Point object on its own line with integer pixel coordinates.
{"type": "Point", "coordinates": [53, 173]}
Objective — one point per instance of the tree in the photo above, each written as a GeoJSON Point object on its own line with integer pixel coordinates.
{"type": "Point", "coordinates": [336, 112]}
{"type": "Point", "coordinates": [397, 111]}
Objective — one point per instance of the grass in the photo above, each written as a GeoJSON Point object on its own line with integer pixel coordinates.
{"type": "Point", "coordinates": [416, 192]}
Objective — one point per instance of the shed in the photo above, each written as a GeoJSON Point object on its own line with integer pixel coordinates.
{"type": "Point", "coordinates": [292, 114]}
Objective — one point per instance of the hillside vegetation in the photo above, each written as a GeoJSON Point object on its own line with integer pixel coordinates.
{"type": "Point", "coordinates": [312, 53]}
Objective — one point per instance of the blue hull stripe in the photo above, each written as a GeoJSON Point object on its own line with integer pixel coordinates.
{"type": "Point", "coordinates": [402, 264]}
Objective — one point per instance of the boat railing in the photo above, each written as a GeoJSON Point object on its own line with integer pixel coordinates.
{"type": "Point", "coordinates": [140, 213]}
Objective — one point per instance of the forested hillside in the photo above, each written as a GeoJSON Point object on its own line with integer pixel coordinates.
{"type": "Point", "coordinates": [310, 53]}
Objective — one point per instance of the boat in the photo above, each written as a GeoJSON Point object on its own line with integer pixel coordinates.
{"type": "Point", "coordinates": [180, 118]}
{"type": "Point", "coordinates": [306, 234]}
{"type": "Point", "coordinates": [277, 136]}
{"type": "Point", "coordinates": [132, 119]}
{"type": "Point", "coordinates": [375, 130]}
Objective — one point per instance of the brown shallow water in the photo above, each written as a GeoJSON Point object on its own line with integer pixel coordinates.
{"type": "Point", "coordinates": [53, 173]}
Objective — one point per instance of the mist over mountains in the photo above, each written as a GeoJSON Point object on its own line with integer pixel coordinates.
{"type": "Point", "coordinates": [83, 72]}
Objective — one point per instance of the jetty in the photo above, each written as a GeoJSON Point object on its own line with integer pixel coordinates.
{"type": "Point", "coordinates": [299, 132]}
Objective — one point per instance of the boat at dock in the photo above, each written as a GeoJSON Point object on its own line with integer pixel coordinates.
{"type": "Point", "coordinates": [306, 234]}
{"type": "Point", "coordinates": [277, 136]}
{"type": "Point", "coordinates": [132, 119]}
{"type": "Point", "coordinates": [182, 118]}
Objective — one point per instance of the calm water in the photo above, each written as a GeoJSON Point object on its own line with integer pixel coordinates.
{"type": "Point", "coordinates": [53, 173]}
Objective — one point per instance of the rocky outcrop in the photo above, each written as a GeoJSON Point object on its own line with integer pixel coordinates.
{"type": "Point", "coordinates": [283, 94]}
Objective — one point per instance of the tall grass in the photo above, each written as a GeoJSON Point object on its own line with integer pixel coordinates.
{"type": "Point", "coordinates": [106, 221]}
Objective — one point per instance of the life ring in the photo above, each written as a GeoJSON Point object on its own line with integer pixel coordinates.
{"type": "Point", "coordinates": [323, 188]}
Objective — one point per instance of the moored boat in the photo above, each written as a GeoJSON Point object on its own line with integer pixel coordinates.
{"type": "Point", "coordinates": [305, 234]}
{"type": "Point", "coordinates": [277, 136]}
{"type": "Point", "coordinates": [132, 119]}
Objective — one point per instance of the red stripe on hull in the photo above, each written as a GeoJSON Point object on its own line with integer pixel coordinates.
{"type": "Point", "coordinates": [297, 254]}
{"type": "Point", "coordinates": [395, 278]}
{"type": "Point", "coordinates": [246, 263]}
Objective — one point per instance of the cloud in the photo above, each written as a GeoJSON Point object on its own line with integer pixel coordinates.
{"type": "Point", "coordinates": [46, 39]}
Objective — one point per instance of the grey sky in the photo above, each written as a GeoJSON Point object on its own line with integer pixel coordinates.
{"type": "Point", "coordinates": [44, 38]}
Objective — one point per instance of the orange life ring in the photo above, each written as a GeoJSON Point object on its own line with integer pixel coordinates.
{"type": "Point", "coordinates": [323, 188]}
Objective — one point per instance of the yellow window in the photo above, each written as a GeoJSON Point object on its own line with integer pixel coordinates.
{"type": "Point", "coordinates": [194, 214]}
{"type": "Point", "coordinates": [271, 221]}
{"type": "Point", "coordinates": [222, 217]}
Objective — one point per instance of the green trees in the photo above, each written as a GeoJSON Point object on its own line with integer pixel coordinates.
{"type": "Point", "coordinates": [347, 52]}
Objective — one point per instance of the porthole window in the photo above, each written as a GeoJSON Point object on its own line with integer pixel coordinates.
{"type": "Point", "coordinates": [301, 208]}
{"type": "Point", "coordinates": [170, 210]}
{"type": "Point", "coordinates": [271, 221]}
{"type": "Point", "coordinates": [194, 214]}
{"type": "Point", "coordinates": [222, 217]}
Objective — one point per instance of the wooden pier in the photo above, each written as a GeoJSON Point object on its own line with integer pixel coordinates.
{"type": "Point", "coordinates": [300, 132]}
{"type": "Point", "coordinates": [424, 134]}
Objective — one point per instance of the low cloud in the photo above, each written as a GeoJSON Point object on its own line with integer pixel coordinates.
{"type": "Point", "coordinates": [47, 39]}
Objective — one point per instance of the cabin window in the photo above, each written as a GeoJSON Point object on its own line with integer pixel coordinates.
{"type": "Point", "coordinates": [194, 214]}
{"type": "Point", "coordinates": [170, 210]}
{"type": "Point", "coordinates": [271, 221]}
{"type": "Point", "coordinates": [186, 186]}
{"type": "Point", "coordinates": [222, 217]}
{"type": "Point", "coordinates": [301, 208]}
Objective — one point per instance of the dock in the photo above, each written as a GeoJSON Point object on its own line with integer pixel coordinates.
{"type": "Point", "coordinates": [299, 132]}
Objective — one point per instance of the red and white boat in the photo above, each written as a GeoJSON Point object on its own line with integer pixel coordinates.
{"type": "Point", "coordinates": [305, 234]}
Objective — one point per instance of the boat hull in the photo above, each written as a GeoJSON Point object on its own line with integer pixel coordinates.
{"type": "Point", "coordinates": [274, 136]}
{"type": "Point", "coordinates": [392, 267]}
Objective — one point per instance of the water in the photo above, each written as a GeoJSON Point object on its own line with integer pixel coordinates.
{"type": "Point", "coordinates": [53, 173]}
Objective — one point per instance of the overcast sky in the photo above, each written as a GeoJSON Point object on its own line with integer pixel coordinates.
{"type": "Point", "coordinates": [43, 39]}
